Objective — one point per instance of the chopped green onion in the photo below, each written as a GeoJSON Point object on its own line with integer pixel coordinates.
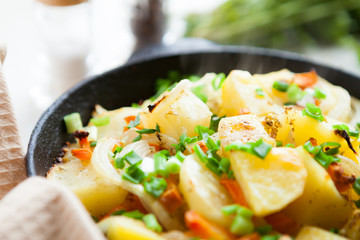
{"type": "Point", "coordinates": [263, 230]}
{"type": "Point", "coordinates": [258, 148]}
{"type": "Point", "coordinates": [134, 174]}
{"type": "Point", "coordinates": [156, 186]}
{"type": "Point", "coordinates": [135, 105]}
{"type": "Point", "coordinates": [331, 148]}
{"type": "Point", "coordinates": [118, 150]}
{"type": "Point", "coordinates": [358, 125]}
{"type": "Point", "coordinates": [356, 186]}
{"type": "Point", "coordinates": [203, 132]}
{"type": "Point", "coordinates": [357, 203]}
{"type": "Point", "coordinates": [151, 223]}
{"type": "Point", "coordinates": [119, 163]}
{"type": "Point", "coordinates": [279, 143]}
{"type": "Point", "coordinates": [334, 230]}
{"type": "Point", "coordinates": [344, 127]}
{"type": "Point", "coordinates": [180, 156]}
{"type": "Point", "coordinates": [260, 92]}
{"type": "Point", "coordinates": [230, 209]}
{"type": "Point", "coordinates": [93, 144]}
{"type": "Point", "coordinates": [224, 166]}
{"type": "Point", "coordinates": [173, 166]}
{"type": "Point", "coordinates": [136, 214]}
{"type": "Point", "coordinates": [218, 81]}
{"type": "Point", "coordinates": [183, 141]}
{"type": "Point", "coordinates": [271, 237]}
{"type": "Point", "coordinates": [313, 111]}
{"type": "Point", "coordinates": [214, 122]}
{"type": "Point", "coordinates": [231, 174]}
{"type": "Point", "coordinates": [199, 152]}
{"type": "Point", "coordinates": [193, 78]}
{"type": "Point", "coordinates": [212, 146]}
{"type": "Point", "coordinates": [100, 121]}
{"type": "Point", "coordinates": [118, 212]}
{"type": "Point", "coordinates": [135, 122]}
{"type": "Point", "coordinates": [319, 94]}
{"type": "Point", "coordinates": [354, 133]}
{"type": "Point", "coordinates": [160, 164]}
{"type": "Point", "coordinates": [132, 158]}
{"type": "Point", "coordinates": [289, 145]}
{"type": "Point", "coordinates": [325, 160]}
{"type": "Point", "coordinates": [294, 93]}
{"type": "Point", "coordinates": [73, 122]}
{"type": "Point", "coordinates": [241, 226]}
{"type": "Point", "coordinates": [199, 92]}
{"type": "Point", "coordinates": [137, 138]}
{"type": "Point", "coordinates": [341, 127]}
{"type": "Point", "coordinates": [281, 86]}
{"type": "Point", "coordinates": [310, 148]}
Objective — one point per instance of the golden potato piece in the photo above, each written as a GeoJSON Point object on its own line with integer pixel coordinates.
{"type": "Point", "coordinates": [320, 204]}
{"type": "Point", "coordinates": [203, 192]}
{"type": "Point", "coordinates": [239, 91]}
{"type": "Point", "coordinates": [98, 195]}
{"type": "Point", "coordinates": [304, 127]}
{"type": "Point", "coordinates": [242, 128]}
{"type": "Point", "coordinates": [314, 233]}
{"type": "Point", "coordinates": [178, 111]}
{"type": "Point", "coordinates": [269, 184]}
{"type": "Point", "coordinates": [124, 228]}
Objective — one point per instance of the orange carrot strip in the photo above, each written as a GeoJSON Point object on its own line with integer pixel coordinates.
{"type": "Point", "coordinates": [305, 80]}
{"type": "Point", "coordinates": [235, 191]}
{"type": "Point", "coordinates": [202, 228]}
{"type": "Point", "coordinates": [128, 119]}
{"type": "Point", "coordinates": [82, 154]}
{"type": "Point", "coordinates": [203, 146]}
{"type": "Point", "coordinates": [84, 143]}
{"type": "Point", "coordinates": [251, 236]}
{"type": "Point", "coordinates": [282, 223]}
{"type": "Point", "coordinates": [156, 146]}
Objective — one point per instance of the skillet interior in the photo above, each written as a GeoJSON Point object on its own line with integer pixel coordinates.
{"type": "Point", "coordinates": [134, 81]}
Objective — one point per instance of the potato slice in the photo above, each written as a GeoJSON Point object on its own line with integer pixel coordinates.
{"type": "Point", "coordinates": [278, 127]}
{"type": "Point", "coordinates": [352, 227]}
{"type": "Point", "coordinates": [269, 184]}
{"type": "Point", "coordinates": [267, 80]}
{"type": "Point", "coordinates": [117, 123]}
{"type": "Point", "coordinates": [124, 228]}
{"type": "Point", "coordinates": [242, 128]}
{"type": "Point", "coordinates": [91, 188]}
{"type": "Point", "coordinates": [321, 131]}
{"type": "Point", "coordinates": [320, 204]}
{"type": "Point", "coordinates": [314, 233]}
{"type": "Point", "coordinates": [178, 111]}
{"type": "Point", "coordinates": [239, 91]}
{"type": "Point", "coordinates": [203, 192]}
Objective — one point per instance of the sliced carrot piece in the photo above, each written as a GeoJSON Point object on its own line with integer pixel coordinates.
{"type": "Point", "coordinates": [203, 146]}
{"type": "Point", "coordinates": [84, 154]}
{"type": "Point", "coordinates": [202, 228]}
{"type": "Point", "coordinates": [305, 80]}
{"type": "Point", "coordinates": [235, 191]}
{"type": "Point", "coordinates": [128, 119]}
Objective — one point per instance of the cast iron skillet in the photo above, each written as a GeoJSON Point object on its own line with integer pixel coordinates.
{"type": "Point", "coordinates": [134, 81]}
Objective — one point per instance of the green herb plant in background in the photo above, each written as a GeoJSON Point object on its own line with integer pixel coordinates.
{"type": "Point", "coordinates": [283, 24]}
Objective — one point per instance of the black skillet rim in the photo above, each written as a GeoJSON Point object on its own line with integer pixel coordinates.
{"type": "Point", "coordinates": [29, 158]}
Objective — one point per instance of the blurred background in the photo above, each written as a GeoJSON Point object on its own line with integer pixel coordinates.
{"type": "Point", "coordinates": [54, 44]}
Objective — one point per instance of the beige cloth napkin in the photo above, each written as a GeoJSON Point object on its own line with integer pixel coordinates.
{"type": "Point", "coordinates": [37, 208]}
{"type": "Point", "coordinates": [12, 163]}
